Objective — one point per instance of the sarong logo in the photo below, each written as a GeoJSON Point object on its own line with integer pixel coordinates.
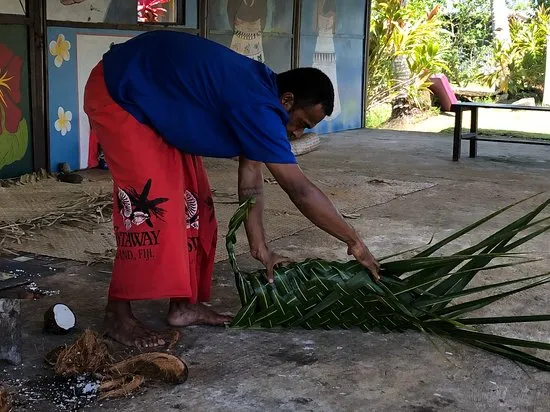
{"type": "Point", "coordinates": [136, 208]}
{"type": "Point", "coordinates": [191, 210]}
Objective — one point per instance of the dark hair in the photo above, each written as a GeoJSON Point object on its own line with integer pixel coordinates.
{"type": "Point", "coordinates": [309, 86]}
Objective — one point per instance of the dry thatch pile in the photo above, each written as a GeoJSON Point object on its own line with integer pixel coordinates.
{"type": "Point", "coordinates": [90, 355]}
{"type": "Point", "coordinates": [418, 293]}
{"type": "Point", "coordinates": [84, 212]}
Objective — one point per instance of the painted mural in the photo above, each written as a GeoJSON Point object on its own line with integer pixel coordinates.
{"type": "Point", "coordinates": [73, 53]}
{"type": "Point", "coordinates": [247, 19]}
{"type": "Point", "coordinates": [94, 11]}
{"type": "Point", "coordinates": [119, 11]}
{"type": "Point", "coordinates": [12, 7]}
{"type": "Point", "coordinates": [324, 57]}
{"type": "Point", "coordinates": [259, 29]}
{"type": "Point", "coordinates": [15, 120]}
{"type": "Point", "coordinates": [331, 39]}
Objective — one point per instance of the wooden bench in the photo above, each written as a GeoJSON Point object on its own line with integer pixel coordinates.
{"type": "Point", "coordinates": [472, 135]}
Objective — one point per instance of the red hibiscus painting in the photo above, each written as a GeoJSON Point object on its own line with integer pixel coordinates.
{"type": "Point", "coordinates": [10, 92]}
{"type": "Point", "coordinates": [149, 11]}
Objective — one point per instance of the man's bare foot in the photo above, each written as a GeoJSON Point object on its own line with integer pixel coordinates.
{"type": "Point", "coordinates": [121, 325]}
{"type": "Point", "coordinates": [182, 314]}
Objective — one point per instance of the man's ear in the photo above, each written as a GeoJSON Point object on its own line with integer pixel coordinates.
{"type": "Point", "coordinates": [287, 100]}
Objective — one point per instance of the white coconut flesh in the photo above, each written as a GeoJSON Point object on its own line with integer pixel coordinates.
{"type": "Point", "coordinates": [64, 317]}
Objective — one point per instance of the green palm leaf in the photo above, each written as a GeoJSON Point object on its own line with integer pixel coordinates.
{"type": "Point", "coordinates": [416, 293]}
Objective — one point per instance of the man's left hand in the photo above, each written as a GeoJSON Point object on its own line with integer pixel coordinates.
{"type": "Point", "coordinates": [271, 260]}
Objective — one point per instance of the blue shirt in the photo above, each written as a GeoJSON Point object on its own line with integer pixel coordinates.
{"type": "Point", "coordinates": [200, 96]}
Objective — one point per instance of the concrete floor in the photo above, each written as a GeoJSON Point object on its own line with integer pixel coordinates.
{"type": "Point", "coordinates": [298, 370]}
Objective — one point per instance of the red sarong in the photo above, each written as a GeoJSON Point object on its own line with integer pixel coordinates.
{"type": "Point", "coordinates": [163, 214]}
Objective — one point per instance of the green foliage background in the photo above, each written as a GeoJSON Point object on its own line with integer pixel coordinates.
{"type": "Point", "coordinates": [458, 42]}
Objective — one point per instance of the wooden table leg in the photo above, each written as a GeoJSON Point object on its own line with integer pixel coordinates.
{"type": "Point", "coordinates": [473, 130]}
{"type": "Point", "coordinates": [457, 134]}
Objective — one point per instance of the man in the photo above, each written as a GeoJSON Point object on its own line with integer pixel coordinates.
{"type": "Point", "coordinates": [159, 102]}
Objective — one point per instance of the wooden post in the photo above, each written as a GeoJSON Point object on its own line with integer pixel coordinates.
{"type": "Point", "coordinates": [36, 10]}
{"type": "Point", "coordinates": [457, 134]}
{"type": "Point", "coordinates": [203, 17]}
{"type": "Point", "coordinates": [296, 27]}
{"type": "Point", "coordinates": [365, 79]}
{"type": "Point", "coordinates": [473, 131]}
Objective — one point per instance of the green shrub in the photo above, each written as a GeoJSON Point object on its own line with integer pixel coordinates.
{"type": "Point", "coordinates": [520, 66]}
{"type": "Point", "coordinates": [398, 30]}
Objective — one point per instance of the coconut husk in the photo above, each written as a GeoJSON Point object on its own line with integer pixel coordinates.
{"type": "Point", "coordinates": [119, 387]}
{"type": "Point", "coordinates": [152, 366]}
{"type": "Point", "coordinates": [88, 354]}
{"type": "Point", "coordinates": [5, 401]}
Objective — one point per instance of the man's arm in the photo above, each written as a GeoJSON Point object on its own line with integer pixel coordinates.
{"type": "Point", "coordinates": [318, 208]}
{"type": "Point", "coordinates": [251, 183]}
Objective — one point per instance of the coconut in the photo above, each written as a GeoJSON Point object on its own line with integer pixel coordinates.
{"type": "Point", "coordinates": [5, 400]}
{"type": "Point", "coordinates": [59, 319]}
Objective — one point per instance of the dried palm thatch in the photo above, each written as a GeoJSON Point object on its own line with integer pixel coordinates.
{"type": "Point", "coordinates": [84, 213]}
{"type": "Point", "coordinates": [417, 293]}
{"type": "Point", "coordinates": [105, 258]}
{"type": "Point", "coordinates": [27, 178]}
{"type": "Point", "coordinates": [91, 355]}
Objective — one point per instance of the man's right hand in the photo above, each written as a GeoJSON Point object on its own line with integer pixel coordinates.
{"type": "Point", "coordinates": [362, 254]}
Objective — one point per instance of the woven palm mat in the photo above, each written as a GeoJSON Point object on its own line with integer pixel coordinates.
{"type": "Point", "coordinates": [350, 193]}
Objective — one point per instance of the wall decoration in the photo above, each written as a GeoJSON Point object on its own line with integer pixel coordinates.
{"type": "Point", "coordinates": [69, 125]}
{"type": "Point", "coordinates": [259, 29]}
{"type": "Point", "coordinates": [92, 11]}
{"type": "Point", "coordinates": [116, 11]}
{"type": "Point", "coordinates": [15, 139]}
{"type": "Point", "coordinates": [151, 11]}
{"type": "Point", "coordinates": [63, 122]}
{"type": "Point", "coordinates": [324, 57]}
{"type": "Point", "coordinates": [12, 7]}
{"type": "Point", "coordinates": [59, 49]}
{"type": "Point", "coordinates": [247, 19]}
{"type": "Point", "coordinates": [331, 39]}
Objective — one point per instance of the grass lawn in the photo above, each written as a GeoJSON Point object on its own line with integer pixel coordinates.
{"type": "Point", "coordinates": [505, 133]}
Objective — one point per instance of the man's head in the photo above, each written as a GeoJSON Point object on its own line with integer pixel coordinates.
{"type": "Point", "coordinates": [307, 95]}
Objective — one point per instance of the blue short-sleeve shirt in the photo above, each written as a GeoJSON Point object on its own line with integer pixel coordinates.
{"type": "Point", "coordinates": [200, 96]}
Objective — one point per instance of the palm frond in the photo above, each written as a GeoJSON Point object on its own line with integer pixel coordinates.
{"type": "Point", "coordinates": [417, 293]}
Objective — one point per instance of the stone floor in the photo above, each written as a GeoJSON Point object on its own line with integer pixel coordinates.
{"type": "Point", "coordinates": [299, 370]}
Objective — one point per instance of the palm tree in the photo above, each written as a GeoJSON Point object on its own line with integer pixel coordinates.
{"type": "Point", "coordinates": [401, 105]}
